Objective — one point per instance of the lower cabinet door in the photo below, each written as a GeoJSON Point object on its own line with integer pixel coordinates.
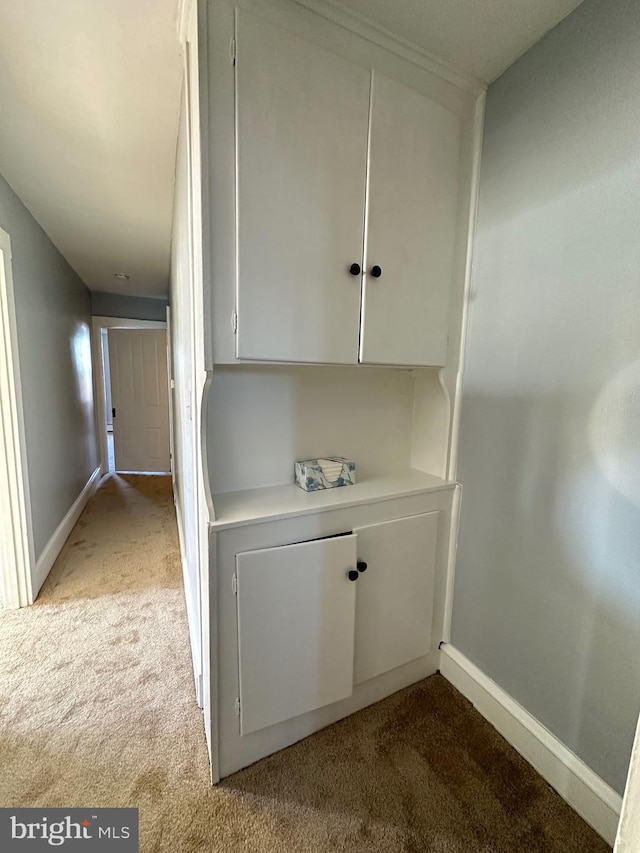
{"type": "Point", "coordinates": [296, 619]}
{"type": "Point", "coordinates": [394, 604]}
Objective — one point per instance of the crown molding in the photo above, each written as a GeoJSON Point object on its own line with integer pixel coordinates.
{"type": "Point", "coordinates": [402, 47]}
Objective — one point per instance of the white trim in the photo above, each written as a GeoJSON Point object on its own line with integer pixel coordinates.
{"type": "Point", "coordinates": [183, 17]}
{"type": "Point", "coordinates": [451, 471]}
{"type": "Point", "coordinates": [126, 323]}
{"type": "Point", "coordinates": [191, 617]}
{"type": "Point", "coordinates": [61, 534]}
{"type": "Point", "coordinates": [628, 837]}
{"type": "Point", "coordinates": [595, 801]}
{"type": "Point", "coordinates": [452, 553]}
{"type": "Point", "coordinates": [451, 465]}
{"type": "Point", "coordinates": [359, 24]}
{"type": "Point", "coordinates": [172, 386]}
{"type": "Point", "coordinates": [16, 530]}
{"type": "Point", "coordinates": [97, 324]}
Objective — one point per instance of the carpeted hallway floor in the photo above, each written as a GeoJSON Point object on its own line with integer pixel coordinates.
{"type": "Point", "coordinates": [97, 708]}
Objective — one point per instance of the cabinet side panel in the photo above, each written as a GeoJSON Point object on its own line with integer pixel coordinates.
{"type": "Point", "coordinates": [216, 83]}
{"type": "Point", "coordinates": [430, 422]}
{"type": "Point", "coordinates": [295, 629]}
{"type": "Point", "coordinates": [302, 122]}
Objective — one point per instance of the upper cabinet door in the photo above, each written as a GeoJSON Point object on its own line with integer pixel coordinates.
{"type": "Point", "coordinates": [411, 227]}
{"type": "Point", "coordinates": [301, 137]}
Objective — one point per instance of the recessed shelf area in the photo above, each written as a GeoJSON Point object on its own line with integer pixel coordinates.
{"type": "Point", "coordinates": [261, 418]}
{"type": "Point", "coordinates": [250, 506]}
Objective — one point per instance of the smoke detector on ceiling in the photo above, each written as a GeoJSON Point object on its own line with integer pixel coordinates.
{"type": "Point", "coordinates": [121, 275]}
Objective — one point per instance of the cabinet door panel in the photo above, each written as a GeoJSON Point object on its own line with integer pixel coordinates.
{"type": "Point", "coordinates": [394, 599]}
{"type": "Point", "coordinates": [301, 136]}
{"type": "Point", "coordinates": [411, 224]}
{"type": "Point", "coordinates": [296, 610]}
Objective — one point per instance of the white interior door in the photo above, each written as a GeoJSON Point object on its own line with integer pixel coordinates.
{"type": "Point", "coordinates": [394, 598]}
{"type": "Point", "coordinates": [302, 123]}
{"type": "Point", "coordinates": [411, 227]}
{"type": "Point", "coordinates": [296, 608]}
{"type": "Point", "coordinates": [140, 397]}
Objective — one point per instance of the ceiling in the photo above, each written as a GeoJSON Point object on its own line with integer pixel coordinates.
{"type": "Point", "coordinates": [89, 102]}
{"type": "Point", "coordinates": [89, 105]}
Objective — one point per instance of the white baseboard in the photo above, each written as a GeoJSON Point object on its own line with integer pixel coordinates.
{"type": "Point", "coordinates": [595, 801]}
{"type": "Point", "coordinates": [61, 534]}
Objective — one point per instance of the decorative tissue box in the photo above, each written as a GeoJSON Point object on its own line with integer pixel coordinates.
{"type": "Point", "coordinates": [327, 473]}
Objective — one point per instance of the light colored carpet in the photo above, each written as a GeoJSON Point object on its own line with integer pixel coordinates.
{"type": "Point", "coordinates": [98, 709]}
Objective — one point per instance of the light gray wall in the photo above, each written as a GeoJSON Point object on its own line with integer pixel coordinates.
{"type": "Point", "coordinates": [53, 309]}
{"type": "Point", "coordinates": [547, 595]}
{"type": "Point", "coordinates": [128, 307]}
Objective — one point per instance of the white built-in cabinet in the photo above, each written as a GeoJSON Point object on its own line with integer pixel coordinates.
{"type": "Point", "coordinates": [347, 200]}
{"type": "Point", "coordinates": [337, 196]}
{"type": "Point", "coordinates": [321, 612]}
{"type": "Point", "coordinates": [317, 618]}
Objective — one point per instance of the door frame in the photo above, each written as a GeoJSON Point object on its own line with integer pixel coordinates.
{"type": "Point", "coordinates": [16, 528]}
{"type": "Point", "coordinates": [97, 325]}
{"type": "Point", "coordinates": [172, 384]}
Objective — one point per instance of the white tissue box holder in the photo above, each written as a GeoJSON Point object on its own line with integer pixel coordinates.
{"type": "Point", "coordinates": [325, 473]}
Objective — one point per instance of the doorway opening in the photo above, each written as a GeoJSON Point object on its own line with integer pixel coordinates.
{"type": "Point", "coordinates": [132, 395]}
{"type": "Point", "coordinates": [104, 344]}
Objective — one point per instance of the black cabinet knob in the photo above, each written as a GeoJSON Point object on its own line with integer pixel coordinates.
{"type": "Point", "coordinates": [376, 271]}
{"type": "Point", "coordinates": [362, 566]}
{"type": "Point", "coordinates": [352, 575]}
{"type": "Point", "coordinates": [354, 269]}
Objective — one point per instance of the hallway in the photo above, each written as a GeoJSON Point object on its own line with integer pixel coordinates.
{"type": "Point", "coordinates": [96, 685]}
{"type": "Point", "coordinates": [98, 707]}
